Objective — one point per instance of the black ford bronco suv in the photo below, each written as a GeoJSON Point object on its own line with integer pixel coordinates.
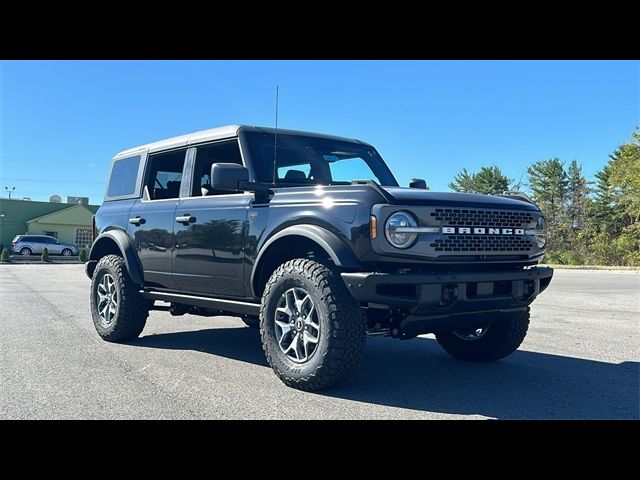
{"type": "Point", "coordinates": [309, 238]}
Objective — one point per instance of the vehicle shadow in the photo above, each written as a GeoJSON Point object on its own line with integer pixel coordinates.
{"type": "Point", "coordinates": [419, 375]}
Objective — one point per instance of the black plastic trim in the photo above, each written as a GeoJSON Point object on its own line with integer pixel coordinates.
{"type": "Point", "coordinates": [231, 306]}
{"type": "Point", "coordinates": [127, 250]}
{"type": "Point", "coordinates": [428, 298]}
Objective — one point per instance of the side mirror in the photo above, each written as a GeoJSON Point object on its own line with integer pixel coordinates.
{"type": "Point", "coordinates": [418, 183]}
{"type": "Point", "coordinates": [230, 177]}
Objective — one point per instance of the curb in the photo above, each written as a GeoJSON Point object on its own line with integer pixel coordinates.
{"type": "Point", "coordinates": [590, 267]}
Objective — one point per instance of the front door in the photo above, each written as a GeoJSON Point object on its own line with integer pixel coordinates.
{"type": "Point", "coordinates": [151, 220]}
{"type": "Point", "coordinates": [209, 247]}
{"type": "Point", "coordinates": [210, 229]}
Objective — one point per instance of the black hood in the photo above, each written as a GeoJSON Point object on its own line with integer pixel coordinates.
{"type": "Point", "coordinates": [415, 196]}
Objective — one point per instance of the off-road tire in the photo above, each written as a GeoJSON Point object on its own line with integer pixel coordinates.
{"type": "Point", "coordinates": [343, 330]}
{"type": "Point", "coordinates": [500, 340]}
{"type": "Point", "coordinates": [132, 310]}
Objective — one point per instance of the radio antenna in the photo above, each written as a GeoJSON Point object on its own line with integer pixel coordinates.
{"type": "Point", "coordinates": [275, 138]}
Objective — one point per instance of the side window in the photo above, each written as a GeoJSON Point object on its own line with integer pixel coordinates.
{"type": "Point", "coordinates": [295, 173]}
{"type": "Point", "coordinates": [207, 155]}
{"type": "Point", "coordinates": [123, 177]}
{"type": "Point", "coordinates": [164, 175]}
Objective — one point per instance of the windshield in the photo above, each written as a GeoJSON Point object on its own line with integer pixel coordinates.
{"type": "Point", "coordinates": [302, 160]}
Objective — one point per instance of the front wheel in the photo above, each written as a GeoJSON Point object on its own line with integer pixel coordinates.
{"type": "Point", "coordinates": [119, 313]}
{"type": "Point", "coordinates": [313, 332]}
{"type": "Point", "coordinates": [486, 343]}
{"type": "Point", "coordinates": [66, 252]}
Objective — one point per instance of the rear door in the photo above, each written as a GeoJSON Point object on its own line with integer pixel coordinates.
{"type": "Point", "coordinates": [152, 218]}
{"type": "Point", "coordinates": [37, 244]}
{"type": "Point", "coordinates": [211, 228]}
{"type": "Point", "coordinates": [52, 244]}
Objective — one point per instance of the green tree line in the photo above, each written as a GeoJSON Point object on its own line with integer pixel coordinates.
{"type": "Point", "coordinates": [595, 222]}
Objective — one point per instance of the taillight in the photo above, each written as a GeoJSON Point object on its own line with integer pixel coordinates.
{"type": "Point", "coordinates": [13, 242]}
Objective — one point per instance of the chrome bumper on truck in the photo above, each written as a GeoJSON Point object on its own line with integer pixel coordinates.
{"type": "Point", "coordinates": [433, 300]}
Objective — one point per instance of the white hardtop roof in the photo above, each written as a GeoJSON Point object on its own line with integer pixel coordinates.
{"type": "Point", "coordinates": [218, 133]}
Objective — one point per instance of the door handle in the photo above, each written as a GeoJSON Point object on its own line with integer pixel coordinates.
{"type": "Point", "coordinates": [137, 221]}
{"type": "Point", "coordinates": [186, 218]}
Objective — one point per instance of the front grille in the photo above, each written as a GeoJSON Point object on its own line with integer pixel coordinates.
{"type": "Point", "coordinates": [481, 218]}
{"type": "Point", "coordinates": [482, 243]}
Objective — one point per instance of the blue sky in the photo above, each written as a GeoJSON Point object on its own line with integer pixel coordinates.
{"type": "Point", "coordinates": [62, 121]}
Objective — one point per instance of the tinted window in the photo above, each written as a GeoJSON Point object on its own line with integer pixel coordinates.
{"type": "Point", "coordinates": [207, 155]}
{"type": "Point", "coordinates": [123, 177]}
{"type": "Point", "coordinates": [164, 175]}
{"type": "Point", "coordinates": [311, 160]}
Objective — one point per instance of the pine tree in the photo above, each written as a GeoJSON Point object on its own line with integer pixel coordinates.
{"type": "Point", "coordinates": [488, 181]}
{"type": "Point", "coordinates": [548, 183]}
{"type": "Point", "coordinates": [462, 182]}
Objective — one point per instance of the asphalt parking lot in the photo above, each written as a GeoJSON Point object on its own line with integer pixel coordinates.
{"type": "Point", "coordinates": [580, 360]}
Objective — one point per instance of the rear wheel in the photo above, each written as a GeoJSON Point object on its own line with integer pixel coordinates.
{"type": "Point", "coordinates": [312, 330]}
{"type": "Point", "coordinates": [25, 252]}
{"type": "Point", "coordinates": [119, 312]}
{"type": "Point", "coordinates": [486, 343]}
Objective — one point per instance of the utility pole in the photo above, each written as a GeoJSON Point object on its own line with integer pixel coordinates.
{"type": "Point", "coordinates": [9, 191]}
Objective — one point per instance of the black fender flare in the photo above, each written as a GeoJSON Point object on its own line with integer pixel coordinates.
{"type": "Point", "coordinates": [127, 249]}
{"type": "Point", "coordinates": [340, 254]}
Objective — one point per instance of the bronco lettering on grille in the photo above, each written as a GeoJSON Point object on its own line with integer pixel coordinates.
{"type": "Point", "coordinates": [483, 230]}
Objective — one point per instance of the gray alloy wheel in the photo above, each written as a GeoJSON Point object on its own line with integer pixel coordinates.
{"type": "Point", "coordinates": [107, 300]}
{"type": "Point", "coordinates": [66, 252]}
{"type": "Point", "coordinates": [296, 325]}
{"type": "Point", "coordinates": [25, 252]}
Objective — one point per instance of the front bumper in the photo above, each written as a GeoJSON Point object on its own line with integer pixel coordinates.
{"type": "Point", "coordinates": [434, 299]}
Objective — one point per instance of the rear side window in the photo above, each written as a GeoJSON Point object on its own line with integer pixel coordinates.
{"type": "Point", "coordinates": [123, 177]}
{"type": "Point", "coordinates": [164, 175]}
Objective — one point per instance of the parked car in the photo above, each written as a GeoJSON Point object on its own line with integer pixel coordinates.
{"type": "Point", "coordinates": [310, 238]}
{"type": "Point", "coordinates": [27, 245]}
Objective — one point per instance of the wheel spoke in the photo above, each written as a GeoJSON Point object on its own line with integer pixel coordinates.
{"type": "Point", "coordinates": [285, 328]}
{"type": "Point", "coordinates": [293, 346]}
{"type": "Point", "coordinates": [308, 338]}
{"type": "Point", "coordinates": [290, 298]}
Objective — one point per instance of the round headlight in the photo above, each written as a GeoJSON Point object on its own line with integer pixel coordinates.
{"type": "Point", "coordinates": [394, 227]}
{"type": "Point", "coordinates": [540, 232]}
